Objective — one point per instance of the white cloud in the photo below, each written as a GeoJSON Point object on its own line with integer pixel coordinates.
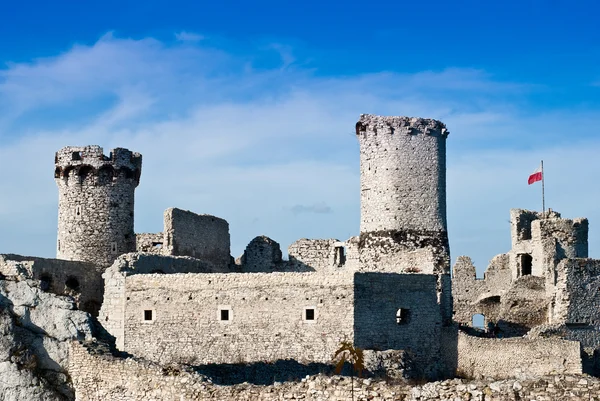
{"type": "Point", "coordinates": [188, 36]}
{"type": "Point", "coordinates": [251, 145]}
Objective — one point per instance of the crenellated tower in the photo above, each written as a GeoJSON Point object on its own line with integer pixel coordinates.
{"type": "Point", "coordinates": [96, 202]}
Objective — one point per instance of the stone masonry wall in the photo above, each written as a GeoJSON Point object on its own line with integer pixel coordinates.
{"type": "Point", "coordinates": [402, 173]}
{"type": "Point", "coordinates": [315, 254]}
{"type": "Point", "coordinates": [516, 357]}
{"type": "Point", "coordinates": [399, 311]}
{"type": "Point", "coordinates": [513, 306]}
{"type": "Point", "coordinates": [472, 295]}
{"type": "Point", "coordinates": [96, 203]}
{"type": "Point", "coordinates": [80, 280]}
{"type": "Point", "coordinates": [149, 243]}
{"type": "Point", "coordinates": [203, 237]}
{"type": "Point", "coordinates": [547, 240]}
{"type": "Point", "coordinates": [577, 299]}
{"type": "Point", "coordinates": [101, 377]}
{"type": "Point", "coordinates": [261, 255]}
{"type": "Point", "coordinates": [267, 316]}
{"type": "Point", "coordinates": [112, 312]}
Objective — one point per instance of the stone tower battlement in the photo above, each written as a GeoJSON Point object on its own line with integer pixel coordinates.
{"type": "Point", "coordinates": [96, 203]}
{"type": "Point", "coordinates": [89, 162]}
{"type": "Point", "coordinates": [402, 173]}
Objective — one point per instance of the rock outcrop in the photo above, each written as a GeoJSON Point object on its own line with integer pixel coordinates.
{"type": "Point", "coordinates": [35, 329]}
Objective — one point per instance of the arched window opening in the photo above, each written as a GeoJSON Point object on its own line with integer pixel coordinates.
{"type": "Point", "coordinates": [478, 321]}
{"type": "Point", "coordinates": [85, 172]}
{"type": "Point", "coordinates": [67, 171]}
{"type": "Point", "coordinates": [106, 174]}
{"type": "Point", "coordinates": [72, 284]}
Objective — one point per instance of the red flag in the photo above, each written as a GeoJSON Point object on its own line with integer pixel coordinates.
{"type": "Point", "coordinates": [536, 176]}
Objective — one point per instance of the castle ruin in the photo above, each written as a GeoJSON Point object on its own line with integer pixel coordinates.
{"type": "Point", "coordinates": [179, 297]}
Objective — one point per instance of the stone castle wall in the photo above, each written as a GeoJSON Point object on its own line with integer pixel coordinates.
{"type": "Point", "coordinates": [400, 311]}
{"type": "Point", "coordinates": [317, 254]}
{"type": "Point", "coordinates": [263, 308]}
{"type": "Point", "coordinates": [164, 314]}
{"type": "Point", "coordinates": [577, 299]}
{"type": "Point", "coordinates": [101, 377]}
{"type": "Point", "coordinates": [96, 203]}
{"type": "Point", "coordinates": [203, 237]}
{"type": "Point", "coordinates": [149, 243]}
{"type": "Point", "coordinates": [80, 280]}
{"type": "Point", "coordinates": [472, 295]}
{"type": "Point", "coordinates": [513, 306]}
{"type": "Point", "coordinates": [516, 357]}
{"type": "Point", "coordinates": [111, 314]}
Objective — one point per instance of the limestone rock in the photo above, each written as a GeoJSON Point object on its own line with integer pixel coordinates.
{"type": "Point", "coordinates": [35, 328]}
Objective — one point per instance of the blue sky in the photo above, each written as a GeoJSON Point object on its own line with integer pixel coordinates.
{"type": "Point", "coordinates": [246, 111]}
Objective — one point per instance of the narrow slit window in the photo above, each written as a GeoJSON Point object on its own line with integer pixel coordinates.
{"type": "Point", "coordinates": [148, 315]}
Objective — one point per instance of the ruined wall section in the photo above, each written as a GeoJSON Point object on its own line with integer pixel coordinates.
{"type": "Point", "coordinates": [112, 313]}
{"type": "Point", "coordinates": [269, 309]}
{"type": "Point", "coordinates": [96, 203]}
{"type": "Point", "coordinates": [400, 311]}
{"type": "Point", "coordinates": [80, 280]}
{"type": "Point", "coordinates": [516, 357]}
{"type": "Point", "coordinates": [514, 306]}
{"type": "Point", "coordinates": [149, 243]}
{"type": "Point", "coordinates": [262, 255]}
{"type": "Point", "coordinates": [317, 254]}
{"type": "Point", "coordinates": [577, 299]}
{"type": "Point", "coordinates": [545, 240]}
{"type": "Point", "coordinates": [479, 296]}
{"type": "Point", "coordinates": [202, 237]}
{"type": "Point", "coordinates": [324, 255]}
{"type": "Point", "coordinates": [403, 194]}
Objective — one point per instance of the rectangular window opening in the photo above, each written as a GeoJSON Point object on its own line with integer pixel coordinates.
{"type": "Point", "coordinates": [224, 314]}
{"type": "Point", "coordinates": [309, 314]}
{"type": "Point", "coordinates": [526, 264]}
{"type": "Point", "coordinates": [148, 315]}
{"type": "Point", "coordinates": [402, 316]}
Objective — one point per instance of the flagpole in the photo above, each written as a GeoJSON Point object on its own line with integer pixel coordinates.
{"type": "Point", "coordinates": [543, 193]}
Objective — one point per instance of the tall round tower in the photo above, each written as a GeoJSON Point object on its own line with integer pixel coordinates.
{"type": "Point", "coordinates": [95, 203]}
{"type": "Point", "coordinates": [403, 193]}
